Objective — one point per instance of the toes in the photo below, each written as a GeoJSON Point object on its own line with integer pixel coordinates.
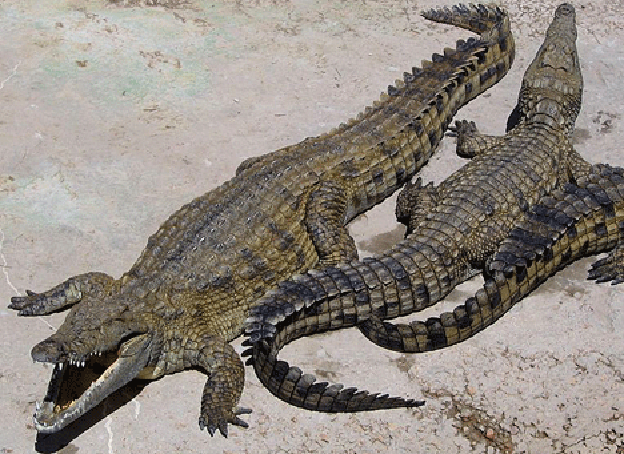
{"type": "Point", "coordinates": [18, 302]}
{"type": "Point", "coordinates": [211, 428]}
{"type": "Point", "coordinates": [242, 411]}
{"type": "Point", "coordinates": [24, 303]}
{"type": "Point", "coordinates": [605, 270]}
{"type": "Point", "coordinates": [223, 428]}
{"type": "Point", "coordinates": [220, 422]}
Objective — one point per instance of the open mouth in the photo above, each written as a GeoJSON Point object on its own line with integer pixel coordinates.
{"type": "Point", "coordinates": [76, 386]}
{"type": "Point", "coordinates": [72, 387]}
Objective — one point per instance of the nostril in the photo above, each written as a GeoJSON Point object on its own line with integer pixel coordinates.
{"type": "Point", "coordinates": [46, 351]}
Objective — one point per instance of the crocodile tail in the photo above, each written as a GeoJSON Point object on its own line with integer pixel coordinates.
{"type": "Point", "coordinates": [408, 278]}
{"type": "Point", "coordinates": [481, 19]}
{"type": "Point", "coordinates": [307, 304]}
{"type": "Point", "coordinates": [495, 46]}
{"type": "Point", "coordinates": [302, 390]}
{"type": "Point", "coordinates": [571, 223]}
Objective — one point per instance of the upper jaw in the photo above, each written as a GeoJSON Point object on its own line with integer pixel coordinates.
{"type": "Point", "coordinates": [58, 353]}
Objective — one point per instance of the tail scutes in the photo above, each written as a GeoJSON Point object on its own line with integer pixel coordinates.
{"type": "Point", "coordinates": [291, 385]}
{"type": "Point", "coordinates": [494, 47]}
{"type": "Point", "coordinates": [476, 18]}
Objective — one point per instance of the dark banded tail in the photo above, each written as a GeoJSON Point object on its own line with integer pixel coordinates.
{"type": "Point", "coordinates": [306, 304]}
{"type": "Point", "coordinates": [571, 223]}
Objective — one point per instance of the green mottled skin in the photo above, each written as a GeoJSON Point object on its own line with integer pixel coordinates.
{"type": "Point", "coordinates": [453, 229]}
{"type": "Point", "coordinates": [188, 294]}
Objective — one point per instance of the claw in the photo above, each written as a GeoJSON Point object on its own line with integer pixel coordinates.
{"type": "Point", "coordinates": [223, 428]}
{"type": "Point", "coordinates": [210, 428]}
{"type": "Point", "coordinates": [240, 423]}
{"type": "Point", "coordinates": [222, 424]}
{"type": "Point", "coordinates": [242, 411]}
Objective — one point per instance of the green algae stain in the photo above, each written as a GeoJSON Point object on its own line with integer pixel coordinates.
{"type": "Point", "coordinates": [104, 54]}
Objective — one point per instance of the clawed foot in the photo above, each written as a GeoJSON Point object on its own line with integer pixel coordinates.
{"type": "Point", "coordinates": [65, 294]}
{"type": "Point", "coordinates": [468, 145]}
{"type": "Point", "coordinates": [29, 304]}
{"type": "Point", "coordinates": [463, 127]}
{"type": "Point", "coordinates": [215, 419]}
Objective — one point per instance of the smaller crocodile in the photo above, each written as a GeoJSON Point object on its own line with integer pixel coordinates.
{"type": "Point", "coordinates": [575, 221]}
{"type": "Point", "coordinates": [579, 220]}
{"type": "Point", "coordinates": [452, 229]}
{"type": "Point", "coordinates": [188, 294]}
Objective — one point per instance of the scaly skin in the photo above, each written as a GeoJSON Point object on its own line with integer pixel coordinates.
{"type": "Point", "coordinates": [452, 229]}
{"type": "Point", "coordinates": [189, 293]}
{"type": "Point", "coordinates": [575, 221]}
{"type": "Point", "coordinates": [579, 220]}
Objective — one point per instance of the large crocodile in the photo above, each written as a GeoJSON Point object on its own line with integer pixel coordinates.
{"type": "Point", "coordinates": [452, 230]}
{"type": "Point", "coordinates": [188, 294]}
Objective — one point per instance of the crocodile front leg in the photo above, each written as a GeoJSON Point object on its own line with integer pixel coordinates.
{"type": "Point", "coordinates": [470, 142]}
{"type": "Point", "coordinates": [224, 386]}
{"type": "Point", "coordinates": [63, 295]}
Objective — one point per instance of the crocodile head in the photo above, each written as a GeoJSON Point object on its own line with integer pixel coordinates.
{"type": "Point", "coordinates": [99, 348]}
{"type": "Point", "coordinates": [553, 84]}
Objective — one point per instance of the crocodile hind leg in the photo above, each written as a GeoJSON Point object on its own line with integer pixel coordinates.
{"type": "Point", "coordinates": [63, 295]}
{"type": "Point", "coordinates": [414, 202]}
{"type": "Point", "coordinates": [325, 214]}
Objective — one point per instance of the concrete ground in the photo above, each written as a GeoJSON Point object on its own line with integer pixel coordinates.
{"type": "Point", "coordinates": [114, 114]}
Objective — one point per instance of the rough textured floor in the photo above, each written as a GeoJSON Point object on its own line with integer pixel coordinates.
{"type": "Point", "coordinates": [114, 115]}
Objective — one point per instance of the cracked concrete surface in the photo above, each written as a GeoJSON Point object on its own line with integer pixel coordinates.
{"type": "Point", "coordinates": [114, 114]}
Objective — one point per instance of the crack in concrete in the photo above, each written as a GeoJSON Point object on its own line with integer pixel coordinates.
{"type": "Point", "coordinates": [109, 429]}
{"type": "Point", "coordinates": [5, 264]}
{"type": "Point", "coordinates": [13, 73]}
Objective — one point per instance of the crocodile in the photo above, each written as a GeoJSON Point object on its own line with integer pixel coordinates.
{"type": "Point", "coordinates": [453, 230]}
{"type": "Point", "coordinates": [188, 294]}
{"type": "Point", "coordinates": [578, 220]}
{"type": "Point", "coordinates": [575, 221]}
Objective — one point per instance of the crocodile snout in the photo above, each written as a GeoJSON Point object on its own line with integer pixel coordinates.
{"type": "Point", "coordinates": [48, 350]}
